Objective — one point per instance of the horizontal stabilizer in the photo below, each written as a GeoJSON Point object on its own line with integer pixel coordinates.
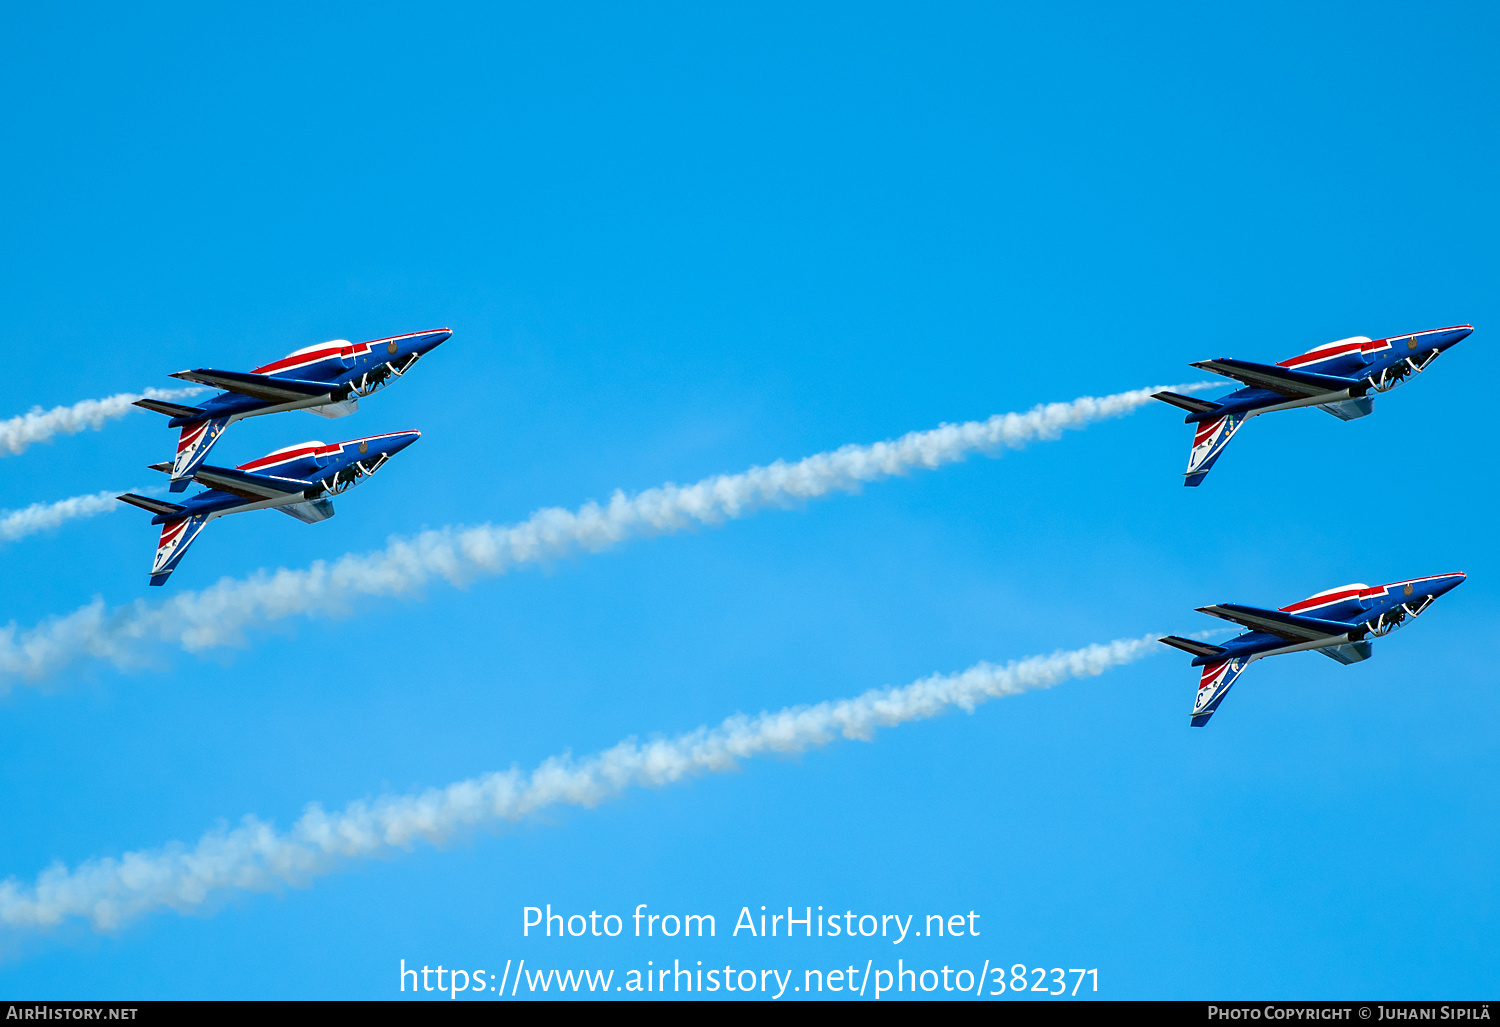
{"type": "Point", "coordinates": [1188, 645]}
{"type": "Point", "coordinates": [257, 386]}
{"type": "Point", "coordinates": [164, 467]}
{"type": "Point", "coordinates": [1188, 403]}
{"type": "Point", "coordinates": [156, 506]}
{"type": "Point", "coordinates": [1290, 626]}
{"type": "Point", "coordinates": [1294, 384]}
{"type": "Point", "coordinates": [170, 409]}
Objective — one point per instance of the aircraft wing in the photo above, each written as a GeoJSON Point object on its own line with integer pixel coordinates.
{"type": "Point", "coordinates": [1290, 626]}
{"type": "Point", "coordinates": [1295, 384]}
{"type": "Point", "coordinates": [258, 386]}
{"type": "Point", "coordinates": [248, 485]}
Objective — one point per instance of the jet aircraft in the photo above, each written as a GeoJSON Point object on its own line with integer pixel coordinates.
{"type": "Point", "coordinates": [1338, 377]}
{"type": "Point", "coordinates": [1338, 623]}
{"type": "Point", "coordinates": [298, 480]}
{"type": "Point", "coordinates": [327, 379]}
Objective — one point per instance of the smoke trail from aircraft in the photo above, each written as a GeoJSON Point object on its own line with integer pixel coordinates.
{"type": "Point", "coordinates": [38, 425]}
{"type": "Point", "coordinates": [220, 614]}
{"type": "Point", "coordinates": [255, 857]}
{"type": "Point", "coordinates": [17, 524]}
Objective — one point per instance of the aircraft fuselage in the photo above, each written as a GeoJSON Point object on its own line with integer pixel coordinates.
{"type": "Point", "coordinates": [1354, 613]}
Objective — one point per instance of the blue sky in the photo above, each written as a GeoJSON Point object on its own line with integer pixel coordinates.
{"type": "Point", "coordinates": [674, 242]}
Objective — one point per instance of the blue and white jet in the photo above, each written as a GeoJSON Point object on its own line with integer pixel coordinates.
{"type": "Point", "coordinates": [1338, 377]}
{"type": "Point", "coordinates": [1338, 623]}
{"type": "Point", "coordinates": [326, 379]}
{"type": "Point", "coordinates": [298, 480]}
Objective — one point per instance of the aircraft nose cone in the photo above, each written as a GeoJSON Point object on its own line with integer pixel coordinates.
{"type": "Point", "coordinates": [403, 440]}
{"type": "Point", "coordinates": [1445, 583]}
{"type": "Point", "coordinates": [1448, 582]}
{"type": "Point", "coordinates": [1454, 336]}
{"type": "Point", "coordinates": [433, 339]}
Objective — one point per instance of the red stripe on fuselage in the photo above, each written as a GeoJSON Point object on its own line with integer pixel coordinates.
{"type": "Point", "coordinates": [303, 359]}
{"type": "Point", "coordinates": [1379, 344]}
{"type": "Point", "coordinates": [1327, 600]}
{"type": "Point", "coordinates": [373, 438]}
{"type": "Point", "coordinates": [1373, 346]}
{"type": "Point", "coordinates": [281, 458]}
{"type": "Point", "coordinates": [1382, 589]}
{"type": "Point", "coordinates": [312, 355]}
{"type": "Point", "coordinates": [1362, 593]}
{"type": "Point", "coordinates": [1322, 354]}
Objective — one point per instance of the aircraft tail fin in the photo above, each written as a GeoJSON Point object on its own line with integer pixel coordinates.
{"type": "Point", "coordinates": [1188, 403]}
{"type": "Point", "coordinates": [1213, 686]}
{"type": "Point", "coordinates": [178, 530]}
{"type": "Point", "coordinates": [1189, 645]}
{"type": "Point", "coordinates": [192, 448]}
{"type": "Point", "coordinates": [1208, 443]}
{"type": "Point", "coordinates": [176, 536]}
{"type": "Point", "coordinates": [170, 409]}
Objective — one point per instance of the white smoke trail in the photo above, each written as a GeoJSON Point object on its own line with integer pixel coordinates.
{"type": "Point", "coordinates": [17, 524]}
{"type": "Point", "coordinates": [255, 857]}
{"type": "Point", "coordinates": [38, 425]}
{"type": "Point", "coordinates": [219, 615]}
